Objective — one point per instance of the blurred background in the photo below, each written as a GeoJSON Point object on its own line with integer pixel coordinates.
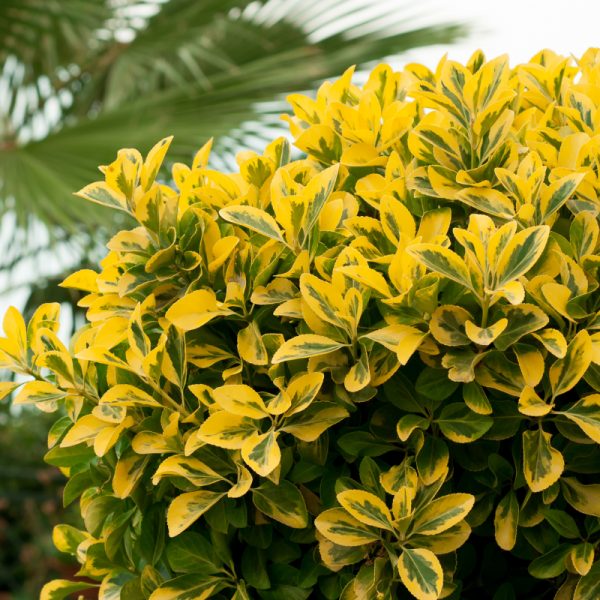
{"type": "Point", "coordinates": [80, 79]}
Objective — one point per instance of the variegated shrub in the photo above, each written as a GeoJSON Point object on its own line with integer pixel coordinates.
{"type": "Point", "coordinates": [369, 373]}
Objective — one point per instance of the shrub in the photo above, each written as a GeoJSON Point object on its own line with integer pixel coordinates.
{"type": "Point", "coordinates": [364, 374]}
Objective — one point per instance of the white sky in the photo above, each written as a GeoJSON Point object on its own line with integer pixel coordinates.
{"type": "Point", "coordinates": [520, 27]}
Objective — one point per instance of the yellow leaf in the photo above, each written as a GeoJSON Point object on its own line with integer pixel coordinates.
{"type": "Point", "coordinates": [240, 400]}
{"type": "Point", "coordinates": [484, 337]}
{"type": "Point", "coordinates": [187, 508]}
{"type": "Point", "coordinates": [195, 310]}
{"type": "Point", "coordinates": [226, 430]}
{"type": "Point", "coordinates": [421, 573]}
{"type": "Point", "coordinates": [566, 372]}
{"type": "Point", "coordinates": [305, 346]}
{"type": "Point", "coordinates": [367, 508]}
{"type": "Point", "coordinates": [542, 464]}
{"type": "Point", "coordinates": [262, 453]}
{"type": "Point", "coordinates": [324, 299]}
{"type": "Point", "coordinates": [531, 404]}
{"type": "Point", "coordinates": [531, 362]}
{"type": "Point", "coordinates": [337, 525]}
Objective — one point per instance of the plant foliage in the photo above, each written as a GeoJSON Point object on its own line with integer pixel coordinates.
{"type": "Point", "coordinates": [362, 374]}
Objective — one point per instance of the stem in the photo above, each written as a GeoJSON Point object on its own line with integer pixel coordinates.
{"type": "Point", "coordinates": [485, 308]}
{"type": "Point", "coordinates": [473, 146]}
{"type": "Point", "coordinates": [174, 405]}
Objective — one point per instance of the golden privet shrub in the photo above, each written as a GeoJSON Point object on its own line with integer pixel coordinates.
{"type": "Point", "coordinates": [370, 373]}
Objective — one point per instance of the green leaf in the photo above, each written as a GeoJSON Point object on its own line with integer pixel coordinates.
{"type": "Point", "coordinates": [190, 552]}
{"type": "Point", "coordinates": [460, 424]}
{"type": "Point", "coordinates": [282, 502]}
{"type": "Point", "coordinates": [552, 563]}
{"type": "Point", "coordinates": [562, 522]}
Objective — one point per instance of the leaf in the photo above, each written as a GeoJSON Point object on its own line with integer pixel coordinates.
{"type": "Point", "coordinates": [253, 218]}
{"type": "Point", "coordinates": [543, 465]}
{"type": "Point", "coordinates": [282, 502]}
{"type": "Point", "coordinates": [566, 372]}
{"type": "Point", "coordinates": [583, 498]}
{"type": "Point", "coordinates": [562, 522]}
{"type": "Point", "coordinates": [101, 193]}
{"type": "Point", "coordinates": [195, 310]}
{"type": "Point", "coordinates": [582, 557]}
{"type": "Point", "coordinates": [408, 423]}
{"type": "Point", "coordinates": [317, 192]}
{"type": "Point", "coordinates": [261, 452]}
{"type": "Point", "coordinates": [475, 398]}
{"type": "Point", "coordinates": [61, 588]}
{"type": "Point", "coordinates": [506, 521]}
{"type": "Point", "coordinates": [309, 424]}
{"type": "Point", "coordinates": [128, 395]}
{"type": "Point", "coordinates": [531, 362]}
{"type": "Point", "coordinates": [189, 552]}
{"type": "Point", "coordinates": [189, 467]}
{"type": "Point", "coordinates": [484, 337]}
{"type": "Point", "coordinates": [304, 346]}
{"type": "Point", "coordinates": [66, 538]}
{"type": "Point", "coordinates": [442, 514]}
{"type": "Point", "coordinates": [32, 392]}
{"type": "Point", "coordinates": [112, 585]}
{"type": "Point", "coordinates": [186, 587]}
{"type": "Point", "coordinates": [557, 193]}
{"type": "Point", "coordinates": [445, 542]}
{"type": "Point", "coordinates": [520, 254]}
{"type": "Point", "coordinates": [432, 459]}
{"type": "Point", "coordinates": [552, 563]}
{"type": "Point", "coordinates": [342, 528]}
{"type": "Point", "coordinates": [367, 508]}
{"type": "Point", "coordinates": [187, 508]}
{"type": "Point", "coordinates": [460, 424]}
{"type": "Point", "coordinates": [240, 400]}
{"type": "Point", "coordinates": [302, 391]}
{"type": "Point", "coordinates": [129, 471]}
{"type": "Point", "coordinates": [421, 573]}
{"type": "Point", "coordinates": [322, 142]}
{"type": "Point", "coordinates": [442, 261]}
{"type": "Point", "coordinates": [447, 325]}
{"type": "Point", "coordinates": [553, 341]}
{"type": "Point", "coordinates": [589, 585]}
{"type": "Point", "coordinates": [487, 200]}
{"type": "Point", "coordinates": [227, 430]}
{"type": "Point", "coordinates": [323, 298]}
{"type": "Point", "coordinates": [532, 405]}
{"type": "Point", "coordinates": [586, 413]}
{"type": "Point", "coordinates": [368, 277]}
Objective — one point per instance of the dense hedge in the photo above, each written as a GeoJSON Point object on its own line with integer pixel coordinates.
{"type": "Point", "coordinates": [364, 374]}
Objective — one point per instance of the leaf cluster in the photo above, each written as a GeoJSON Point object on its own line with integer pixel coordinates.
{"type": "Point", "coordinates": [346, 374]}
